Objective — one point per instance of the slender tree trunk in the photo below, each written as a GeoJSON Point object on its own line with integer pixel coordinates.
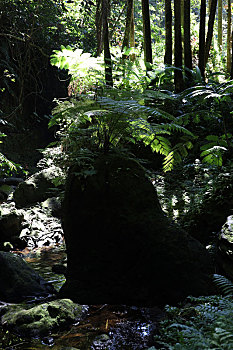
{"type": "Point", "coordinates": [209, 6]}
{"type": "Point", "coordinates": [99, 27]}
{"type": "Point", "coordinates": [187, 39]}
{"type": "Point", "coordinates": [107, 54]}
{"type": "Point", "coordinates": [229, 37]}
{"type": "Point", "coordinates": [146, 32]}
{"type": "Point", "coordinates": [182, 23]}
{"type": "Point", "coordinates": [127, 37]}
{"type": "Point", "coordinates": [201, 55]}
{"type": "Point", "coordinates": [232, 56]}
{"type": "Point", "coordinates": [178, 76]}
{"type": "Point", "coordinates": [210, 29]}
{"type": "Point", "coordinates": [168, 33]}
{"type": "Point", "coordinates": [220, 25]}
{"type": "Point", "coordinates": [132, 33]}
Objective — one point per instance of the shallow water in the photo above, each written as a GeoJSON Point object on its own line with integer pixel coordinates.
{"type": "Point", "coordinates": [104, 327]}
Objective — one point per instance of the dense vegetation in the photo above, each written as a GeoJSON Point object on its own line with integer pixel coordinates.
{"type": "Point", "coordinates": [150, 80]}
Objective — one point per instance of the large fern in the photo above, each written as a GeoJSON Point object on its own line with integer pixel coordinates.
{"type": "Point", "coordinates": [202, 323]}
{"type": "Point", "coordinates": [115, 122]}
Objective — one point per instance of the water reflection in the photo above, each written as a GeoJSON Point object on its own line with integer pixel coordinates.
{"type": "Point", "coordinates": [104, 327]}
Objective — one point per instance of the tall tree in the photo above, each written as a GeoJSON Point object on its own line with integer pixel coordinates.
{"type": "Point", "coordinates": [146, 32]}
{"type": "Point", "coordinates": [231, 56]}
{"type": "Point", "coordinates": [168, 33]}
{"type": "Point", "coordinates": [128, 40]}
{"type": "Point", "coordinates": [187, 39]}
{"type": "Point", "coordinates": [107, 54]}
{"type": "Point", "coordinates": [99, 26]}
{"type": "Point", "coordinates": [201, 54]}
{"type": "Point", "coordinates": [229, 36]}
{"type": "Point", "coordinates": [178, 76]}
{"type": "Point", "coordinates": [220, 25]}
{"type": "Point", "coordinates": [209, 36]}
{"type": "Point", "coordinates": [132, 32]}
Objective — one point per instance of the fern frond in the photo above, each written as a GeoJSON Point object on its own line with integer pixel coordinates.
{"type": "Point", "coordinates": [171, 127]}
{"type": "Point", "coordinates": [224, 284]}
{"type": "Point", "coordinates": [133, 107]}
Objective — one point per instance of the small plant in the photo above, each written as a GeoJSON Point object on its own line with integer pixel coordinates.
{"type": "Point", "coordinates": [7, 167]}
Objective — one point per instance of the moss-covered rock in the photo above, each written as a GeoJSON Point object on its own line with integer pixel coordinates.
{"type": "Point", "coordinates": [121, 248]}
{"type": "Point", "coordinates": [36, 188]}
{"type": "Point", "coordinates": [40, 319]}
{"type": "Point", "coordinates": [18, 281]}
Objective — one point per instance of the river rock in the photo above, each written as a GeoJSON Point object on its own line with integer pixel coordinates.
{"type": "Point", "coordinates": [225, 245]}
{"type": "Point", "coordinates": [121, 248]}
{"type": "Point", "coordinates": [39, 320]}
{"type": "Point", "coordinates": [11, 224]}
{"type": "Point", "coordinates": [36, 188]}
{"type": "Point", "coordinates": [18, 281]}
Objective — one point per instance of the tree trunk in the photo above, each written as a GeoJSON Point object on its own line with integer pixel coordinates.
{"type": "Point", "coordinates": [132, 32]}
{"type": "Point", "coordinates": [99, 27]}
{"type": "Point", "coordinates": [232, 56]}
{"type": "Point", "coordinates": [220, 25]}
{"type": "Point", "coordinates": [178, 76]}
{"type": "Point", "coordinates": [107, 54]}
{"type": "Point", "coordinates": [201, 55]}
{"type": "Point", "coordinates": [229, 37]}
{"type": "Point", "coordinates": [187, 40]}
{"type": "Point", "coordinates": [146, 33]}
{"type": "Point", "coordinates": [168, 33]}
{"type": "Point", "coordinates": [126, 40]}
{"type": "Point", "coordinates": [210, 29]}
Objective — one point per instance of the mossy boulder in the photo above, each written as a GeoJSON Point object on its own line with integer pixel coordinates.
{"type": "Point", "coordinates": [121, 247]}
{"type": "Point", "coordinates": [39, 320]}
{"type": "Point", "coordinates": [18, 281]}
{"type": "Point", "coordinates": [36, 188]}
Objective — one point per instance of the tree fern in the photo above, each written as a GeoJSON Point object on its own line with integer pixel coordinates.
{"type": "Point", "coordinates": [111, 122]}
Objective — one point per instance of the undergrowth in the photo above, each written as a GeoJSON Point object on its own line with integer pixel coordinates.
{"type": "Point", "coordinates": [199, 323]}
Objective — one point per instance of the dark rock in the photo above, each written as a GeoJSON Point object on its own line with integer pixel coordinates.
{"type": "Point", "coordinates": [19, 281]}
{"type": "Point", "coordinates": [11, 181]}
{"type": "Point", "coordinates": [37, 188]}
{"type": "Point", "coordinates": [39, 320]}
{"type": "Point", "coordinates": [10, 224]}
{"type": "Point", "coordinates": [121, 248]}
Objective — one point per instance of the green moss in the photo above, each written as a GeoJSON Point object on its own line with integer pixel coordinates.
{"type": "Point", "coordinates": [40, 319]}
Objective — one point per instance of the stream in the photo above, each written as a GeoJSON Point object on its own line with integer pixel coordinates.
{"type": "Point", "coordinates": [104, 327]}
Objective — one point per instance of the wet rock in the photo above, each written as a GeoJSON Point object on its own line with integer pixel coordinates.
{"type": "Point", "coordinates": [36, 188]}
{"type": "Point", "coordinates": [5, 191]}
{"type": "Point", "coordinates": [10, 181]}
{"type": "Point", "coordinates": [18, 281]}
{"type": "Point", "coordinates": [53, 205]}
{"type": "Point", "coordinates": [121, 248]}
{"type": "Point", "coordinates": [11, 224]}
{"type": "Point", "coordinates": [39, 320]}
{"type": "Point", "coordinates": [225, 246]}
{"type": "Point", "coordinates": [41, 227]}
